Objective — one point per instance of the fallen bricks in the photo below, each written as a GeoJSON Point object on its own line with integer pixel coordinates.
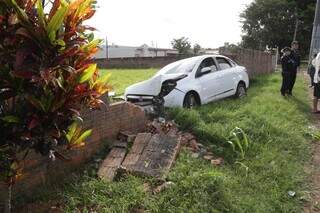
{"type": "Point", "coordinates": [156, 159]}
{"type": "Point", "coordinates": [111, 164]}
{"type": "Point", "coordinates": [153, 153]}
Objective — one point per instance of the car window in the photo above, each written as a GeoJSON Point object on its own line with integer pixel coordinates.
{"type": "Point", "coordinates": [233, 64]}
{"type": "Point", "coordinates": [208, 62]}
{"type": "Point", "coordinates": [224, 63]}
{"type": "Point", "coordinates": [182, 66]}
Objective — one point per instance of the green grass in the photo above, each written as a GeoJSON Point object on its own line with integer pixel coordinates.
{"type": "Point", "coordinates": [122, 78]}
{"type": "Point", "coordinates": [279, 149]}
{"type": "Point", "coordinates": [273, 164]}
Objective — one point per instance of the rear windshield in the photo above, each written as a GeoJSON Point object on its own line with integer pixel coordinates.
{"type": "Point", "coordinates": [183, 66]}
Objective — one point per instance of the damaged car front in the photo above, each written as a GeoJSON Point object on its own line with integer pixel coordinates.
{"type": "Point", "coordinates": [164, 86]}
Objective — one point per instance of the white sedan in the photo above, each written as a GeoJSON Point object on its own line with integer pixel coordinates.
{"type": "Point", "coordinates": [196, 81]}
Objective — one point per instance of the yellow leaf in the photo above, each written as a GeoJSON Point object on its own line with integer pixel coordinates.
{"type": "Point", "coordinates": [88, 73]}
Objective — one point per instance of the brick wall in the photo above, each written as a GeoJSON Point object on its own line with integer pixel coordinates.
{"type": "Point", "coordinates": [138, 62]}
{"type": "Point", "coordinates": [257, 62]}
{"type": "Point", "coordinates": [105, 123]}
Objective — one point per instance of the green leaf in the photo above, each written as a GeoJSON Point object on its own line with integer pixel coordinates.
{"type": "Point", "coordinates": [10, 119]}
{"type": "Point", "coordinates": [90, 37]}
{"type": "Point", "coordinates": [60, 42]}
{"type": "Point", "coordinates": [245, 138]}
{"type": "Point", "coordinates": [57, 20]}
{"type": "Point", "coordinates": [232, 145]}
{"type": "Point", "coordinates": [83, 136]}
{"type": "Point", "coordinates": [40, 12]}
{"type": "Point", "coordinates": [238, 143]}
{"type": "Point", "coordinates": [71, 130]}
{"type": "Point", "coordinates": [88, 73]}
{"type": "Point", "coordinates": [91, 45]}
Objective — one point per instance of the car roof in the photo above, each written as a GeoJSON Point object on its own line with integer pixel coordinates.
{"type": "Point", "coordinates": [211, 55]}
{"type": "Point", "coordinates": [201, 57]}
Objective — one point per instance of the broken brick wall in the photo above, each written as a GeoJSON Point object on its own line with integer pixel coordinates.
{"type": "Point", "coordinates": [105, 123]}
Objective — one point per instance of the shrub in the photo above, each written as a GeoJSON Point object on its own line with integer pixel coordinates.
{"type": "Point", "coordinates": [47, 75]}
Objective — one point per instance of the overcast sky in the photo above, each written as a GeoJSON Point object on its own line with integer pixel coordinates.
{"type": "Point", "coordinates": [207, 22]}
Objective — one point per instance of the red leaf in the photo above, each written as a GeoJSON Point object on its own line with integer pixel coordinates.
{"type": "Point", "coordinates": [81, 88]}
{"type": "Point", "coordinates": [1, 19]}
{"type": "Point", "coordinates": [23, 32]}
{"type": "Point", "coordinates": [89, 28]}
{"type": "Point", "coordinates": [54, 8]}
{"type": "Point", "coordinates": [33, 123]}
{"type": "Point", "coordinates": [22, 74]}
{"type": "Point", "coordinates": [20, 57]}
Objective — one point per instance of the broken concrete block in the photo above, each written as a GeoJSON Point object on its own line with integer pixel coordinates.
{"type": "Point", "coordinates": [137, 148]}
{"type": "Point", "coordinates": [111, 164]}
{"type": "Point", "coordinates": [126, 136]}
{"type": "Point", "coordinates": [120, 144]}
{"type": "Point", "coordinates": [156, 158]}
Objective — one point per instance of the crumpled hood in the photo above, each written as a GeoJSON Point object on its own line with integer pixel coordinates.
{"type": "Point", "coordinates": [151, 86]}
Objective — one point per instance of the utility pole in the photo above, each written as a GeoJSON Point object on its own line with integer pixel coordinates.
{"type": "Point", "coordinates": [296, 26]}
{"type": "Point", "coordinates": [107, 48]}
{"type": "Point", "coordinates": [315, 41]}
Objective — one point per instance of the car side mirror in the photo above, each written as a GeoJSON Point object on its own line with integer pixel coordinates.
{"type": "Point", "coordinates": [205, 70]}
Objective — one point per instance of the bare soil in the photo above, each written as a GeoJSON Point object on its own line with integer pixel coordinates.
{"type": "Point", "coordinates": [314, 167]}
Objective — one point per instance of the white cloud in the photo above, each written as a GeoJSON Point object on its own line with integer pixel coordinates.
{"type": "Point", "coordinates": [207, 22]}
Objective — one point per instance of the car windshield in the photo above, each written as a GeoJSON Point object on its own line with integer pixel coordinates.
{"type": "Point", "coordinates": [183, 66]}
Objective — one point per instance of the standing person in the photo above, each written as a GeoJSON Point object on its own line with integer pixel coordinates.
{"type": "Point", "coordinates": [312, 69]}
{"type": "Point", "coordinates": [296, 58]}
{"type": "Point", "coordinates": [288, 69]}
{"type": "Point", "coordinates": [316, 84]}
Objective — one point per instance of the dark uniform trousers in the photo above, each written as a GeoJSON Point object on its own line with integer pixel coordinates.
{"type": "Point", "coordinates": [286, 82]}
{"type": "Point", "coordinates": [292, 81]}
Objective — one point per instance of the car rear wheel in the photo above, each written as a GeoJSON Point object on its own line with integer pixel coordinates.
{"type": "Point", "coordinates": [241, 90]}
{"type": "Point", "coordinates": [191, 100]}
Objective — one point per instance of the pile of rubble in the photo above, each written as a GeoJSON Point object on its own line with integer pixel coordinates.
{"type": "Point", "coordinates": [151, 153]}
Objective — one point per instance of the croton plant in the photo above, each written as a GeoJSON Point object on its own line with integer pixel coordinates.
{"type": "Point", "coordinates": [47, 75]}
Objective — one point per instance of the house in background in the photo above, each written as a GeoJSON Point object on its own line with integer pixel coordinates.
{"type": "Point", "coordinates": [117, 51]}
{"type": "Point", "coordinates": [210, 51]}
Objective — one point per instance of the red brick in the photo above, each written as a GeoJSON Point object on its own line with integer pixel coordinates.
{"type": "Point", "coordinates": [106, 124]}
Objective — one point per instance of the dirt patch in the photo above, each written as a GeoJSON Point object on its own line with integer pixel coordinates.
{"type": "Point", "coordinates": [314, 167]}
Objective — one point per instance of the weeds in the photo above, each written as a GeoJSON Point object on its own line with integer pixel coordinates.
{"type": "Point", "coordinates": [239, 141]}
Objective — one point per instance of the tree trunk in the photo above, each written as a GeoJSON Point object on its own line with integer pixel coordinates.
{"type": "Point", "coordinates": [7, 207]}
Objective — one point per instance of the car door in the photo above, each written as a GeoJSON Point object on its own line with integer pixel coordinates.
{"type": "Point", "coordinates": [209, 82]}
{"type": "Point", "coordinates": [226, 77]}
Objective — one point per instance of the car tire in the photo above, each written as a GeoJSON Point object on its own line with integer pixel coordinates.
{"type": "Point", "coordinates": [191, 100]}
{"type": "Point", "coordinates": [241, 90]}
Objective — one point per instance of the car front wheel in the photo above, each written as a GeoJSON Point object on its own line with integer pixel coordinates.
{"type": "Point", "coordinates": [191, 101]}
{"type": "Point", "coordinates": [241, 90]}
